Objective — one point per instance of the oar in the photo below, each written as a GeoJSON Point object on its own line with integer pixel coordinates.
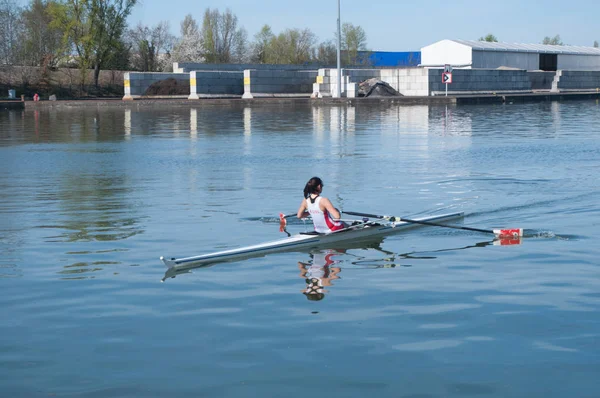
{"type": "Point", "coordinates": [501, 233]}
{"type": "Point", "coordinates": [283, 221]}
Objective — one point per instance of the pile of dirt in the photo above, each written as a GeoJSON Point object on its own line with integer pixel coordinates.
{"type": "Point", "coordinates": [169, 87]}
{"type": "Point", "coordinates": [376, 88]}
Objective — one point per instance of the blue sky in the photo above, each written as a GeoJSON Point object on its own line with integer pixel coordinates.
{"type": "Point", "coordinates": [399, 25]}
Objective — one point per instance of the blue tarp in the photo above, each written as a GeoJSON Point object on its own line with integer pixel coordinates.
{"type": "Point", "coordinates": [385, 58]}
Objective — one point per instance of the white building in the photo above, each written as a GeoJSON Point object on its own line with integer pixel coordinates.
{"type": "Point", "coordinates": [473, 54]}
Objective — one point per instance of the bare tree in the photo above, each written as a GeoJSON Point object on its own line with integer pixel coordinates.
{"type": "Point", "coordinates": [42, 45]}
{"type": "Point", "coordinates": [595, 43]}
{"type": "Point", "coordinates": [10, 32]}
{"type": "Point", "coordinates": [150, 47]}
{"type": "Point", "coordinates": [189, 46]}
{"type": "Point", "coordinates": [327, 53]}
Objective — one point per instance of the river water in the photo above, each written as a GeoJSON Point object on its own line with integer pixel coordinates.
{"type": "Point", "coordinates": [90, 198]}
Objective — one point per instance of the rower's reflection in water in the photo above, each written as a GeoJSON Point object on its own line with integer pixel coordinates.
{"type": "Point", "coordinates": [319, 272]}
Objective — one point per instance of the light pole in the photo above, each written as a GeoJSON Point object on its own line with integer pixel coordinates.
{"type": "Point", "coordinates": [339, 68]}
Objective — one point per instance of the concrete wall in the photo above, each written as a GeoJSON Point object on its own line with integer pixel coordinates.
{"type": "Point", "coordinates": [578, 62]}
{"type": "Point", "coordinates": [541, 80]}
{"type": "Point", "coordinates": [577, 80]}
{"type": "Point", "coordinates": [211, 83]}
{"type": "Point", "coordinates": [325, 84]}
{"type": "Point", "coordinates": [408, 81]}
{"type": "Point", "coordinates": [136, 83]}
{"type": "Point", "coordinates": [268, 83]}
{"type": "Point", "coordinates": [496, 59]}
{"type": "Point", "coordinates": [446, 52]}
{"type": "Point", "coordinates": [427, 81]}
{"type": "Point", "coordinates": [182, 67]}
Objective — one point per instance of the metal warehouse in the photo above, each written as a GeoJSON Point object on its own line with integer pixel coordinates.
{"type": "Point", "coordinates": [473, 54]}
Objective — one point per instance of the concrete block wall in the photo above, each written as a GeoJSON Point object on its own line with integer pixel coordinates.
{"type": "Point", "coordinates": [578, 80]}
{"type": "Point", "coordinates": [136, 83]}
{"type": "Point", "coordinates": [265, 83]}
{"type": "Point", "coordinates": [183, 67]}
{"type": "Point", "coordinates": [480, 81]}
{"type": "Point", "coordinates": [407, 81]}
{"type": "Point", "coordinates": [541, 80]}
{"type": "Point", "coordinates": [210, 83]}
{"type": "Point", "coordinates": [326, 82]}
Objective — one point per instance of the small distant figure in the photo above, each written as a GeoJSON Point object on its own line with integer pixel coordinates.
{"type": "Point", "coordinates": [36, 97]}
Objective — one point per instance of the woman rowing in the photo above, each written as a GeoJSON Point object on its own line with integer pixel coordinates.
{"type": "Point", "coordinates": [325, 217]}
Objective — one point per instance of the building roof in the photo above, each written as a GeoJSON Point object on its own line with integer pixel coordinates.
{"type": "Point", "coordinates": [529, 48]}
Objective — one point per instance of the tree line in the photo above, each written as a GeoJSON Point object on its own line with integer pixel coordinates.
{"type": "Point", "coordinates": [94, 34]}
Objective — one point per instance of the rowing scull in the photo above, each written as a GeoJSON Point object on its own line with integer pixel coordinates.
{"type": "Point", "coordinates": [358, 231]}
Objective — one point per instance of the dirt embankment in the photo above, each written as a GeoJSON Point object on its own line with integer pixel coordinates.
{"type": "Point", "coordinates": [168, 87]}
{"type": "Point", "coordinates": [62, 82]}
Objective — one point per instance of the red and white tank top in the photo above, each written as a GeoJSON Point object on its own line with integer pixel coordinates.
{"type": "Point", "coordinates": [322, 219]}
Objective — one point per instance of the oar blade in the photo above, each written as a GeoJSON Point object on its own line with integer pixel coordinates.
{"type": "Point", "coordinates": [282, 222]}
{"type": "Point", "coordinates": [509, 233]}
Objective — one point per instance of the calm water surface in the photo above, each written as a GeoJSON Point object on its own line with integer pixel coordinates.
{"type": "Point", "coordinates": [91, 198]}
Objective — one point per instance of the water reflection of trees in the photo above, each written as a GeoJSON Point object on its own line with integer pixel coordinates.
{"type": "Point", "coordinates": [95, 208]}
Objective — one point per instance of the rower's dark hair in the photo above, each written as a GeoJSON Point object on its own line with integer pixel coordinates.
{"type": "Point", "coordinates": [311, 186]}
{"type": "Point", "coordinates": [314, 296]}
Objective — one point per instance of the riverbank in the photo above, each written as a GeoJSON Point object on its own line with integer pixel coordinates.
{"type": "Point", "coordinates": [180, 102]}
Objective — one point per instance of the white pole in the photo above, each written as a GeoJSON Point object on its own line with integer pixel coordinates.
{"type": "Point", "coordinates": [339, 68]}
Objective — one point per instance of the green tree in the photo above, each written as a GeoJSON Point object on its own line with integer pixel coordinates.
{"type": "Point", "coordinates": [42, 43]}
{"type": "Point", "coordinates": [93, 29]}
{"type": "Point", "coordinates": [489, 38]}
{"type": "Point", "coordinates": [11, 32]}
{"type": "Point", "coordinates": [293, 46]}
{"type": "Point", "coordinates": [260, 46]}
{"type": "Point", "coordinates": [354, 41]}
{"type": "Point", "coordinates": [552, 40]}
{"type": "Point", "coordinates": [223, 40]}
{"type": "Point", "coordinates": [109, 23]}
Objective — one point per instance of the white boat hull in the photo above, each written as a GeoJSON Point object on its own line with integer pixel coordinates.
{"type": "Point", "coordinates": [363, 231]}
